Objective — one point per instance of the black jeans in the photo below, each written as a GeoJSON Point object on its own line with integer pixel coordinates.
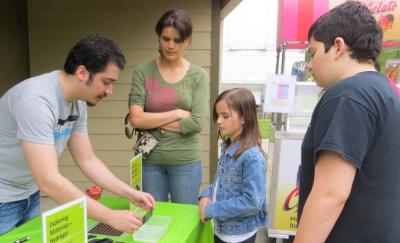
{"type": "Point", "coordinates": [249, 240]}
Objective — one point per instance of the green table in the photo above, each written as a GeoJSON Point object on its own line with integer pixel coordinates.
{"type": "Point", "coordinates": [185, 225]}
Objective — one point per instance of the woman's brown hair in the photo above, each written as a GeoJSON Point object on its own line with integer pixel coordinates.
{"type": "Point", "coordinates": [178, 19]}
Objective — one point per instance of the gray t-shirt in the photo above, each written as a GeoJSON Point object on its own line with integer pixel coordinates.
{"type": "Point", "coordinates": [36, 111]}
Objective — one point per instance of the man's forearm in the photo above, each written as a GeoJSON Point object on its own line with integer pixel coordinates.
{"type": "Point", "coordinates": [98, 172]}
{"type": "Point", "coordinates": [62, 190]}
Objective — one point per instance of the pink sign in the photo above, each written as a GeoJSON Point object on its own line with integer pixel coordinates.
{"type": "Point", "coordinates": [296, 16]}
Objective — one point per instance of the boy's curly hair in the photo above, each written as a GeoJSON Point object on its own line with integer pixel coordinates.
{"type": "Point", "coordinates": [353, 22]}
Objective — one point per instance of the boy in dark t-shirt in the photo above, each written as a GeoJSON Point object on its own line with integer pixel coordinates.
{"type": "Point", "coordinates": [349, 179]}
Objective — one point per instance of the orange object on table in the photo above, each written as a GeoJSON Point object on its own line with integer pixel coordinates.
{"type": "Point", "coordinates": [94, 192]}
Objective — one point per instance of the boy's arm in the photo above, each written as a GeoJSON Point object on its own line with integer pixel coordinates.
{"type": "Point", "coordinates": [333, 181]}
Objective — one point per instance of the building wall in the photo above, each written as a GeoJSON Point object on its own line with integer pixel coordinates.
{"type": "Point", "coordinates": [249, 46]}
{"type": "Point", "coordinates": [14, 64]}
{"type": "Point", "coordinates": [55, 26]}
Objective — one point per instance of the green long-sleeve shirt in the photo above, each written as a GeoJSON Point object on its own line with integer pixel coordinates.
{"type": "Point", "coordinates": [154, 94]}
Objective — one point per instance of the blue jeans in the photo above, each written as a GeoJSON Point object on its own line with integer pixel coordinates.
{"type": "Point", "coordinates": [13, 214]}
{"type": "Point", "coordinates": [181, 181]}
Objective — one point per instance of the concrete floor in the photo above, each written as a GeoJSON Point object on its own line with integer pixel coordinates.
{"type": "Point", "coordinates": [262, 236]}
{"type": "Point", "coordinates": [46, 203]}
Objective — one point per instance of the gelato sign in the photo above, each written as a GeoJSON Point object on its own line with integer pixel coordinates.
{"type": "Point", "coordinates": [382, 7]}
{"type": "Point", "coordinates": [296, 16]}
{"type": "Point", "coordinates": [386, 12]}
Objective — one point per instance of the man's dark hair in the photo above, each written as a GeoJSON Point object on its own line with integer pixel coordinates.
{"type": "Point", "coordinates": [177, 18]}
{"type": "Point", "coordinates": [94, 52]}
{"type": "Point", "coordinates": [353, 22]}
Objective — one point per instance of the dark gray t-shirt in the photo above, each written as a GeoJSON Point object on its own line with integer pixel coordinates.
{"type": "Point", "coordinates": [359, 118]}
{"type": "Point", "coordinates": [34, 110]}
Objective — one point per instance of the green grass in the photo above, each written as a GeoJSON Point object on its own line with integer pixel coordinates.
{"type": "Point", "coordinates": [267, 132]}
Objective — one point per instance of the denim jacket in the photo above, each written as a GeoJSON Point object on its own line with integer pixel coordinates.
{"type": "Point", "coordinates": [240, 204]}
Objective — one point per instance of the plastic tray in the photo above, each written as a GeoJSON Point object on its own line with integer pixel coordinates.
{"type": "Point", "coordinates": [153, 230]}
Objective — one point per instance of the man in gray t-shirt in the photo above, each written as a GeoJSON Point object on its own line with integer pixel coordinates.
{"type": "Point", "coordinates": [40, 117]}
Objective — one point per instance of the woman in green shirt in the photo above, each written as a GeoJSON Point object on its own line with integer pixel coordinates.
{"type": "Point", "coordinates": [169, 97]}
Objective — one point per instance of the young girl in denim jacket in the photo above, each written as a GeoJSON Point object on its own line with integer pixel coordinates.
{"type": "Point", "coordinates": [237, 198]}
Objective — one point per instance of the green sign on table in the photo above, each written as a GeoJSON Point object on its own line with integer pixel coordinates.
{"type": "Point", "coordinates": [66, 223]}
{"type": "Point", "coordinates": [135, 165]}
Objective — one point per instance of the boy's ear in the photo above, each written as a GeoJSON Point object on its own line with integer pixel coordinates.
{"type": "Point", "coordinates": [340, 46]}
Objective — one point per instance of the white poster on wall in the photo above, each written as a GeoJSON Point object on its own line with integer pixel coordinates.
{"type": "Point", "coordinates": [280, 94]}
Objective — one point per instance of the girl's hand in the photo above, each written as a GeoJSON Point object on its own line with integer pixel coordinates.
{"type": "Point", "coordinates": [204, 201]}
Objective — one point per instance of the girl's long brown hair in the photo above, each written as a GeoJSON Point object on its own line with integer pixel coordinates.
{"type": "Point", "coordinates": [242, 101]}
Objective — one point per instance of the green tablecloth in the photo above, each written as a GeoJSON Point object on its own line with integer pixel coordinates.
{"type": "Point", "coordinates": [185, 226]}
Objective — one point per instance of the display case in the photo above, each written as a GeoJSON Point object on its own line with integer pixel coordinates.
{"type": "Point", "coordinates": [285, 161]}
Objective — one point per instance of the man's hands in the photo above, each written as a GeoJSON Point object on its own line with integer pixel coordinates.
{"type": "Point", "coordinates": [142, 199]}
{"type": "Point", "coordinates": [128, 221]}
{"type": "Point", "coordinates": [204, 201]}
{"type": "Point", "coordinates": [124, 220]}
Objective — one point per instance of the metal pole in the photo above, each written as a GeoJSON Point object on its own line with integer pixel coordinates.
{"type": "Point", "coordinates": [278, 53]}
{"type": "Point", "coordinates": [280, 117]}
{"type": "Point", "coordinates": [279, 121]}
{"type": "Point", "coordinates": [274, 118]}
{"type": "Point", "coordinates": [283, 46]}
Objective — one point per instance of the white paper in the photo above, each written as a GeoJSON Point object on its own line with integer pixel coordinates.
{"type": "Point", "coordinates": [280, 94]}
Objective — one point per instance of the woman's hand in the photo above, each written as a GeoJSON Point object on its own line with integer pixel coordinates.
{"type": "Point", "coordinates": [182, 114]}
